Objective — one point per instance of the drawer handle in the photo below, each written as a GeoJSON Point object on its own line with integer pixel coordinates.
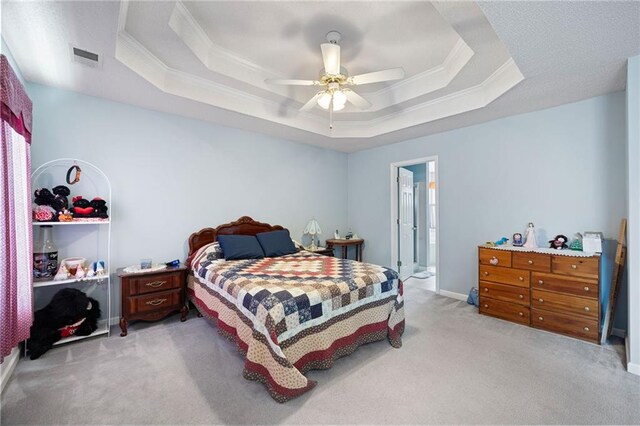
{"type": "Point", "coordinates": [574, 266]}
{"type": "Point", "coordinates": [494, 260]}
{"type": "Point", "coordinates": [521, 296]}
{"type": "Point", "coordinates": [540, 282]}
{"type": "Point", "coordinates": [521, 314]}
{"type": "Point", "coordinates": [586, 329]}
{"type": "Point", "coordinates": [530, 262]}
{"type": "Point", "coordinates": [586, 308]}
{"type": "Point", "coordinates": [486, 273]}
{"type": "Point", "coordinates": [156, 302]}
{"type": "Point", "coordinates": [541, 300]}
{"type": "Point", "coordinates": [586, 288]}
{"type": "Point", "coordinates": [541, 319]}
{"type": "Point", "coordinates": [521, 278]}
{"type": "Point", "coordinates": [156, 283]}
{"type": "Point", "coordinates": [486, 289]}
{"type": "Point", "coordinates": [486, 306]}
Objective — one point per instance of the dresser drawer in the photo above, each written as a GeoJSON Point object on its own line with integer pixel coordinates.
{"type": "Point", "coordinates": [494, 257]}
{"type": "Point", "coordinates": [506, 293]}
{"type": "Point", "coordinates": [587, 267]}
{"type": "Point", "coordinates": [575, 326]}
{"type": "Point", "coordinates": [558, 302]}
{"type": "Point", "coordinates": [504, 310]}
{"type": "Point", "coordinates": [155, 301]}
{"type": "Point", "coordinates": [500, 275]}
{"type": "Point", "coordinates": [532, 261]}
{"type": "Point", "coordinates": [571, 285]}
{"type": "Point", "coordinates": [153, 283]}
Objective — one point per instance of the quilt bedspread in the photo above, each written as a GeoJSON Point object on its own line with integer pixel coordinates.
{"type": "Point", "coordinates": [298, 311]}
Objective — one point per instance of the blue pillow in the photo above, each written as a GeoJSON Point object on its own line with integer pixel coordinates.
{"type": "Point", "coordinates": [236, 247]}
{"type": "Point", "coordinates": [276, 243]}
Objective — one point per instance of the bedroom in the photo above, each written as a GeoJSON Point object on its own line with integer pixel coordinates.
{"type": "Point", "coordinates": [556, 144]}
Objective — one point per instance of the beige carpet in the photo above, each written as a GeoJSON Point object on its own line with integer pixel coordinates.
{"type": "Point", "coordinates": [455, 367]}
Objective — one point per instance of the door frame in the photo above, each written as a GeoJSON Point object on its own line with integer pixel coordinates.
{"type": "Point", "coordinates": [393, 174]}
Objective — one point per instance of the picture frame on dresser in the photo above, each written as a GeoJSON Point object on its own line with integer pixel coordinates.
{"type": "Point", "coordinates": [557, 291]}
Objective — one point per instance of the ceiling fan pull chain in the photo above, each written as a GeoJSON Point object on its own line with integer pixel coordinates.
{"type": "Point", "coordinates": [331, 113]}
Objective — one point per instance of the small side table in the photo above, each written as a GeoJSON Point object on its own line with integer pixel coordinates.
{"type": "Point", "coordinates": [344, 243]}
{"type": "Point", "coordinates": [150, 296]}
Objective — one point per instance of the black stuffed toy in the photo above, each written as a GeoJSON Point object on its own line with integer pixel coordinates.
{"type": "Point", "coordinates": [559, 242]}
{"type": "Point", "coordinates": [70, 312]}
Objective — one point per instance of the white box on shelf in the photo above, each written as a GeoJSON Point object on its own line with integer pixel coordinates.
{"type": "Point", "coordinates": [592, 242]}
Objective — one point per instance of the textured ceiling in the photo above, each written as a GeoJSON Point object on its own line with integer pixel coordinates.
{"type": "Point", "coordinates": [464, 61]}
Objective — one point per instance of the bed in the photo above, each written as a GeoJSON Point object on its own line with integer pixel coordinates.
{"type": "Point", "coordinates": [291, 314]}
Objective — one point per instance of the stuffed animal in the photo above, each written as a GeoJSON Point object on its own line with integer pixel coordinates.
{"type": "Point", "coordinates": [81, 207]}
{"type": "Point", "coordinates": [70, 311]}
{"type": "Point", "coordinates": [50, 204]}
{"type": "Point", "coordinates": [502, 241]}
{"type": "Point", "coordinates": [559, 242]}
{"type": "Point", "coordinates": [99, 208]}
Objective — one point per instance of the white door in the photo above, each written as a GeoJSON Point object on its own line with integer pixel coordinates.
{"type": "Point", "coordinates": [405, 222]}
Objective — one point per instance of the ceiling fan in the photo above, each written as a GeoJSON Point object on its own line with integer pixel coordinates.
{"type": "Point", "coordinates": [335, 81]}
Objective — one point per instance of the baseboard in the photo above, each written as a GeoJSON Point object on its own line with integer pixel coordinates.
{"type": "Point", "coordinates": [7, 367]}
{"type": "Point", "coordinates": [633, 368]}
{"type": "Point", "coordinates": [618, 332]}
{"type": "Point", "coordinates": [454, 295]}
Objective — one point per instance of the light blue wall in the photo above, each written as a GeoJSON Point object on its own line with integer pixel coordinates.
{"type": "Point", "coordinates": [633, 233]}
{"type": "Point", "coordinates": [561, 168]}
{"type": "Point", "coordinates": [172, 176]}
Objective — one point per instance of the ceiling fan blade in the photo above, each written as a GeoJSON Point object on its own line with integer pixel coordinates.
{"type": "Point", "coordinates": [292, 82]}
{"type": "Point", "coordinates": [356, 99]}
{"type": "Point", "coordinates": [378, 76]}
{"type": "Point", "coordinates": [331, 58]}
{"type": "Point", "coordinates": [311, 103]}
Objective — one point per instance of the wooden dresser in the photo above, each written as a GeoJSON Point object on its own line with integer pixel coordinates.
{"type": "Point", "coordinates": [553, 292]}
{"type": "Point", "coordinates": [150, 296]}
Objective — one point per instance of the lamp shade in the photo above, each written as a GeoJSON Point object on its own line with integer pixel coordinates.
{"type": "Point", "coordinates": [313, 228]}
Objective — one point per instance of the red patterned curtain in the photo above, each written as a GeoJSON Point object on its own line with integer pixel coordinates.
{"type": "Point", "coordinates": [16, 241]}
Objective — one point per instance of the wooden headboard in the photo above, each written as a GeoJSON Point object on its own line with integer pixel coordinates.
{"type": "Point", "coordinates": [243, 226]}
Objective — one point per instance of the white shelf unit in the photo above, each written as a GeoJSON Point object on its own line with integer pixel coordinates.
{"type": "Point", "coordinates": [87, 238]}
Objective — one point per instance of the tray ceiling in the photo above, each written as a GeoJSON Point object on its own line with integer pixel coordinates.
{"type": "Point", "coordinates": [465, 62]}
{"type": "Point", "coordinates": [215, 53]}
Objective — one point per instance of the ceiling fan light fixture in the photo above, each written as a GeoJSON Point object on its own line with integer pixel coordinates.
{"type": "Point", "coordinates": [339, 99]}
{"type": "Point", "coordinates": [324, 100]}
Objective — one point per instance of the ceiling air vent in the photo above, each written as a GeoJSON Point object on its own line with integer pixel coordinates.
{"type": "Point", "coordinates": [85, 57]}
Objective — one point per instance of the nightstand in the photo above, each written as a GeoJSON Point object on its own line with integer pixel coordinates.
{"type": "Point", "coordinates": [325, 251]}
{"type": "Point", "coordinates": [150, 296]}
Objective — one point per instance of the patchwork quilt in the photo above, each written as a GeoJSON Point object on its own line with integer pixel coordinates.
{"type": "Point", "coordinates": [298, 312]}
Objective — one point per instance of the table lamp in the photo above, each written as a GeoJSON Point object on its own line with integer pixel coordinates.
{"type": "Point", "coordinates": [313, 229]}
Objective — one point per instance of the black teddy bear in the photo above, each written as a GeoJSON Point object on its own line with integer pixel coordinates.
{"type": "Point", "coordinates": [70, 312]}
{"type": "Point", "coordinates": [85, 208]}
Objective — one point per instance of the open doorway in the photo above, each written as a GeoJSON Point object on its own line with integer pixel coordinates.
{"type": "Point", "coordinates": [414, 233]}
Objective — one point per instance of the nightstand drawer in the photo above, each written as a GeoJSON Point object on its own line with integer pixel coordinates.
{"type": "Point", "coordinates": [153, 283]}
{"type": "Point", "coordinates": [155, 301]}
